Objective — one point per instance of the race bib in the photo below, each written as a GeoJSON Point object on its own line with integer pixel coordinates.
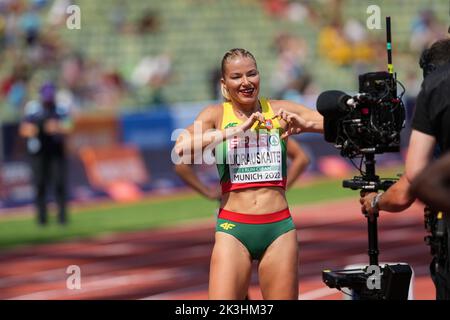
{"type": "Point", "coordinates": [257, 157]}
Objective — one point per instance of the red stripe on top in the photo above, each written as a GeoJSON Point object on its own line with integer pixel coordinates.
{"type": "Point", "coordinates": [228, 186]}
{"type": "Point", "coordinates": [254, 218]}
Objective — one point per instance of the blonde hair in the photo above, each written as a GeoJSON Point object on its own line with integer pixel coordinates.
{"type": "Point", "coordinates": [224, 92]}
{"type": "Point", "coordinates": [230, 54]}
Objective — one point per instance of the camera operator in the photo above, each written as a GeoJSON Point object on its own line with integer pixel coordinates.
{"type": "Point", "coordinates": [45, 126]}
{"type": "Point", "coordinates": [431, 126]}
{"type": "Point", "coordinates": [432, 185]}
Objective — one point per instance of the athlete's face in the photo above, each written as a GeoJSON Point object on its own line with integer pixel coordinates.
{"type": "Point", "coordinates": [241, 80]}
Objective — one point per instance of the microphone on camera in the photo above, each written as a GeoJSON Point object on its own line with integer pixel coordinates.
{"type": "Point", "coordinates": [333, 103]}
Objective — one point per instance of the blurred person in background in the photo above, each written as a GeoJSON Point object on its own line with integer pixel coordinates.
{"type": "Point", "coordinates": [154, 73]}
{"type": "Point", "coordinates": [254, 221]}
{"type": "Point", "coordinates": [14, 88]}
{"type": "Point", "coordinates": [118, 16]}
{"type": "Point", "coordinates": [45, 126]}
{"type": "Point", "coordinates": [345, 44]}
{"type": "Point", "coordinates": [425, 30]}
{"type": "Point", "coordinates": [149, 22]}
{"type": "Point", "coordinates": [31, 25]}
{"type": "Point", "coordinates": [57, 14]}
{"type": "Point", "coordinates": [290, 77]}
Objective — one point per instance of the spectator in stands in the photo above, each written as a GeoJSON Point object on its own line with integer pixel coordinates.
{"type": "Point", "coordinates": [45, 126]}
{"type": "Point", "coordinates": [290, 76]}
{"type": "Point", "coordinates": [345, 44]}
{"type": "Point", "coordinates": [276, 8]}
{"type": "Point", "coordinates": [31, 24]}
{"type": "Point", "coordinates": [155, 73]}
{"type": "Point", "coordinates": [425, 30]}
{"type": "Point", "coordinates": [149, 22]}
{"type": "Point", "coordinates": [110, 90]}
{"type": "Point", "coordinates": [74, 82]}
{"type": "Point", "coordinates": [296, 11]}
{"type": "Point", "coordinates": [118, 16]}
{"type": "Point", "coordinates": [333, 45]}
{"type": "Point", "coordinates": [14, 87]}
{"type": "Point", "coordinates": [57, 14]}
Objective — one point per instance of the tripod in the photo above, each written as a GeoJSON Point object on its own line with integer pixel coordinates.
{"type": "Point", "coordinates": [394, 279]}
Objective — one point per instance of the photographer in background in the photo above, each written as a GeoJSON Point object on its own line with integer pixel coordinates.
{"type": "Point", "coordinates": [431, 126]}
{"type": "Point", "coordinates": [45, 125]}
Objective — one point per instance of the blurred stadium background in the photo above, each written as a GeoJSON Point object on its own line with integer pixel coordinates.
{"type": "Point", "coordinates": [137, 70]}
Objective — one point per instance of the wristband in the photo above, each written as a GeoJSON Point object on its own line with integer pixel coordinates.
{"type": "Point", "coordinates": [375, 202]}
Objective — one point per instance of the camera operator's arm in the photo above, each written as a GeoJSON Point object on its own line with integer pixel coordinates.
{"type": "Point", "coordinates": [431, 185]}
{"type": "Point", "coordinates": [398, 197]}
{"type": "Point", "coordinates": [299, 161]}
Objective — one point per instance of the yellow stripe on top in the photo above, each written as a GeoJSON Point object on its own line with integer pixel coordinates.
{"type": "Point", "coordinates": [229, 119]}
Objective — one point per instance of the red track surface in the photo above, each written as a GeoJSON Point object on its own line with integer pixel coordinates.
{"type": "Point", "coordinates": [173, 263]}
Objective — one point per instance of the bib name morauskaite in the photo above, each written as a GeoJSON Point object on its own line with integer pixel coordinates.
{"type": "Point", "coordinates": [266, 157]}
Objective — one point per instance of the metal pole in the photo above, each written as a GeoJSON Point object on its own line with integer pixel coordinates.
{"type": "Point", "coordinates": [372, 226]}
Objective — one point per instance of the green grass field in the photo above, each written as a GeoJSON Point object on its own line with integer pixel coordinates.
{"type": "Point", "coordinates": [146, 214]}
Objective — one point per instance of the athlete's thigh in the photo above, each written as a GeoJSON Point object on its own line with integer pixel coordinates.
{"type": "Point", "coordinates": [278, 269]}
{"type": "Point", "coordinates": [230, 268]}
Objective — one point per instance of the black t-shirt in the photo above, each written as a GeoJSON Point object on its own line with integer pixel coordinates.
{"type": "Point", "coordinates": [43, 143]}
{"type": "Point", "coordinates": [432, 115]}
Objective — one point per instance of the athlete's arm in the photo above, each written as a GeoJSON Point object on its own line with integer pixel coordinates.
{"type": "Point", "coordinates": [312, 120]}
{"type": "Point", "coordinates": [203, 132]}
{"type": "Point", "coordinates": [187, 173]}
{"type": "Point", "coordinates": [299, 161]}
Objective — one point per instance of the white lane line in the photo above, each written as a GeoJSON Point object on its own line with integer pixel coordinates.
{"type": "Point", "coordinates": [94, 284]}
{"type": "Point", "coordinates": [58, 274]}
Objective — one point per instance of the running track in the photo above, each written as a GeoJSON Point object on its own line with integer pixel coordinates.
{"type": "Point", "coordinates": [173, 263]}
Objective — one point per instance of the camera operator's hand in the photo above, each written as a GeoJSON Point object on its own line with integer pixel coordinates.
{"type": "Point", "coordinates": [367, 204]}
{"type": "Point", "coordinates": [295, 123]}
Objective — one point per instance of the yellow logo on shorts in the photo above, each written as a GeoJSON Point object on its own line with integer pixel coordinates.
{"type": "Point", "coordinates": [227, 226]}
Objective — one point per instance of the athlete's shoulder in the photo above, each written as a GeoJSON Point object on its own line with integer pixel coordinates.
{"type": "Point", "coordinates": [214, 107]}
{"type": "Point", "coordinates": [211, 114]}
{"type": "Point", "coordinates": [212, 111]}
{"type": "Point", "coordinates": [283, 104]}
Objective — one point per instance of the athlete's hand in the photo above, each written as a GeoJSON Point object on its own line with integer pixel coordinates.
{"type": "Point", "coordinates": [213, 194]}
{"type": "Point", "coordinates": [295, 123]}
{"type": "Point", "coordinates": [28, 130]}
{"type": "Point", "coordinates": [256, 116]}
